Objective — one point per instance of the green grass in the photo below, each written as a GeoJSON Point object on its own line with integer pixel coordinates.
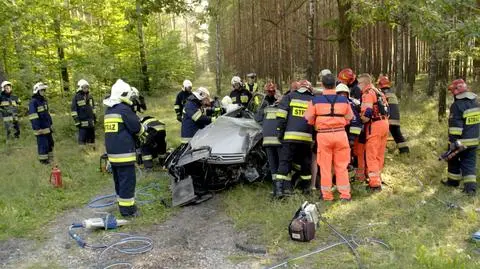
{"type": "Point", "coordinates": [423, 232]}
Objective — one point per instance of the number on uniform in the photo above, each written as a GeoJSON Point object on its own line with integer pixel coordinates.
{"type": "Point", "coordinates": [111, 127]}
{"type": "Point", "coordinates": [298, 112]}
{"type": "Point", "coordinates": [473, 120]}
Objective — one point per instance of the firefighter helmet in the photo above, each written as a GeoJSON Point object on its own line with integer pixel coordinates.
{"type": "Point", "coordinates": [5, 83]}
{"type": "Point", "coordinates": [236, 79]}
{"type": "Point", "coordinates": [458, 86]}
{"type": "Point", "coordinates": [187, 85]}
{"type": "Point", "coordinates": [342, 88]}
{"type": "Point", "coordinates": [201, 93]}
{"type": "Point", "coordinates": [251, 75]}
{"type": "Point", "coordinates": [121, 89]}
{"type": "Point", "coordinates": [38, 87]}
{"type": "Point", "coordinates": [383, 82]}
{"type": "Point", "coordinates": [347, 76]}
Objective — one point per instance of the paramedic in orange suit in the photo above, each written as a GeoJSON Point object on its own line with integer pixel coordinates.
{"type": "Point", "coordinates": [374, 114]}
{"type": "Point", "coordinates": [330, 113]}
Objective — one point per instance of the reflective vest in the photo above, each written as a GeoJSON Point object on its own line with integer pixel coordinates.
{"type": "Point", "coordinates": [9, 107]}
{"type": "Point", "coordinates": [329, 112]}
{"type": "Point", "coordinates": [464, 120]}
{"type": "Point", "coordinates": [241, 96]}
{"type": "Point", "coordinates": [121, 125]}
{"type": "Point", "coordinates": [393, 106]}
{"type": "Point", "coordinates": [83, 110]}
{"type": "Point", "coordinates": [39, 115]}
{"type": "Point", "coordinates": [252, 87]}
{"type": "Point", "coordinates": [193, 119]}
{"type": "Point", "coordinates": [291, 121]}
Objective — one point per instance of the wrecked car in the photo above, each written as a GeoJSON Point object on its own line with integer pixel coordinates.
{"type": "Point", "coordinates": [224, 153]}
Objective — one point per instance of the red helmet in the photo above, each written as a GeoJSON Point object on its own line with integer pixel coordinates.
{"type": "Point", "coordinates": [383, 82]}
{"type": "Point", "coordinates": [305, 84]}
{"type": "Point", "coordinates": [346, 76]}
{"type": "Point", "coordinates": [458, 86]}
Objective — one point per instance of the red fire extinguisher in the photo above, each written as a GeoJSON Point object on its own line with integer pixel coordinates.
{"type": "Point", "coordinates": [56, 177]}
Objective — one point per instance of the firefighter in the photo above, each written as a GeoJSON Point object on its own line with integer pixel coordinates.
{"type": "Point", "coordinates": [384, 85]}
{"type": "Point", "coordinates": [252, 85]}
{"type": "Point", "coordinates": [123, 131]}
{"type": "Point", "coordinates": [374, 115]}
{"type": "Point", "coordinates": [239, 94]}
{"type": "Point", "coordinates": [330, 114]}
{"type": "Point", "coordinates": [296, 135]}
{"type": "Point", "coordinates": [348, 77]}
{"type": "Point", "coordinates": [83, 113]}
{"type": "Point", "coordinates": [155, 145]}
{"type": "Point", "coordinates": [9, 109]}
{"type": "Point", "coordinates": [194, 118]}
{"type": "Point", "coordinates": [266, 116]}
{"type": "Point", "coordinates": [463, 128]}
{"type": "Point", "coordinates": [182, 98]}
{"type": "Point", "coordinates": [41, 123]}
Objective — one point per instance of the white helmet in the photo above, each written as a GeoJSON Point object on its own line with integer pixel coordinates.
{"type": "Point", "coordinates": [135, 92]}
{"type": "Point", "coordinates": [82, 83]}
{"type": "Point", "coordinates": [325, 72]}
{"type": "Point", "coordinates": [121, 89]}
{"type": "Point", "coordinates": [236, 79]}
{"type": "Point", "coordinates": [342, 88]}
{"type": "Point", "coordinates": [227, 100]}
{"type": "Point", "coordinates": [187, 84]}
{"type": "Point", "coordinates": [201, 93]}
{"type": "Point", "coordinates": [38, 87]}
{"type": "Point", "coordinates": [5, 83]}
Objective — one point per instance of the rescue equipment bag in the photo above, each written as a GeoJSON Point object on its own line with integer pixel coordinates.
{"type": "Point", "coordinates": [302, 226]}
{"type": "Point", "coordinates": [381, 103]}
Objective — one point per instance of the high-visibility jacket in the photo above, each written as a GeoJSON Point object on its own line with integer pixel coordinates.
{"type": "Point", "coordinates": [83, 110]}
{"type": "Point", "coordinates": [292, 125]}
{"type": "Point", "coordinates": [193, 119]}
{"type": "Point", "coordinates": [329, 112]}
{"type": "Point", "coordinates": [393, 106]}
{"type": "Point", "coordinates": [9, 107]}
{"type": "Point", "coordinates": [252, 87]}
{"type": "Point", "coordinates": [39, 115]}
{"type": "Point", "coordinates": [464, 120]}
{"type": "Point", "coordinates": [121, 126]}
{"type": "Point", "coordinates": [369, 107]}
{"type": "Point", "coordinates": [180, 102]}
{"type": "Point", "coordinates": [241, 96]}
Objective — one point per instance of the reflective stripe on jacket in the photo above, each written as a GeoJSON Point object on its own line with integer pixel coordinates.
{"type": "Point", "coordinates": [193, 119]}
{"type": "Point", "coordinates": [241, 96]}
{"type": "Point", "coordinates": [291, 121]}
{"type": "Point", "coordinates": [39, 115]}
{"type": "Point", "coordinates": [393, 106]}
{"type": "Point", "coordinates": [464, 120]}
{"type": "Point", "coordinates": [9, 106]}
{"type": "Point", "coordinates": [83, 109]}
{"type": "Point", "coordinates": [329, 111]}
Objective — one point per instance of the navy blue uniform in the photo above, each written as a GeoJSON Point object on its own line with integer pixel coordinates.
{"type": "Point", "coordinates": [355, 91]}
{"type": "Point", "coordinates": [355, 127]}
{"type": "Point", "coordinates": [193, 119]}
{"type": "Point", "coordinates": [9, 112]}
{"type": "Point", "coordinates": [394, 120]}
{"type": "Point", "coordinates": [463, 126]}
{"type": "Point", "coordinates": [83, 113]}
{"type": "Point", "coordinates": [296, 134]}
{"type": "Point", "coordinates": [241, 96]}
{"type": "Point", "coordinates": [156, 144]}
{"type": "Point", "coordinates": [180, 103]}
{"type": "Point", "coordinates": [121, 126]}
{"type": "Point", "coordinates": [42, 127]}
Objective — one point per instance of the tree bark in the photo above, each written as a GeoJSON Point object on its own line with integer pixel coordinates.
{"type": "Point", "coordinates": [141, 47]}
{"type": "Point", "coordinates": [399, 61]}
{"type": "Point", "coordinates": [311, 43]}
{"type": "Point", "coordinates": [443, 84]}
{"type": "Point", "coordinates": [344, 34]}
{"type": "Point", "coordinates": [476, 61]}
{"type": "Point", "coordinates": [61, 54]}
{"type": "Point", "coordinates": [412, 62]}
{"type": "Point", "coordinates": [432, 69]}
{"type": "Point", "coordinates": [218, 75]}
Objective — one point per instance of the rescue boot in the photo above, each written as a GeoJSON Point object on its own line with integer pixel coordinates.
{"type": "Point", "coordinates": [129, 211]}
{"type": "Point", "coordinates": [451, 183]}
{"type": "Point", "coordinates": [404, 150]}
{"type": "Point", "coordinates": [305, 186]}
{"type": "Point", "coordinates": [374, 189]}
{"type": "Point", "coordinates": [277, 189]}
{"type": "Point", "coordinates": [287, 187]}
{"type": "Point", "coordinates": [470, 188]}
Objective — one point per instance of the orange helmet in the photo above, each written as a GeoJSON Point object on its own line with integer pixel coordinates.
{"type": "Point", "coordinates": [383, 82]}
{"type": "Point", "coordinates": [305, 84]}
{"type": "Point", "coordinates": [346, 76]}
{"type": "Point", "coordinates": [458, 86]}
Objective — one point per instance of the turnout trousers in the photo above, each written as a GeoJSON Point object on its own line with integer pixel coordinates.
{"type": "Point", "coordinates": [399, 138]}
{"type": "Point", "coordinates": [377, 135]}
{"type": "Point", "coordinates": [45, 148]}
{"type": "Point", "coordinates": [86, 136]}
{"type": "Point", "coordinates": [273, 156]}
{"type": "Point", "coordinates": [299, 153]}
{"type": "Point", "coordinates": [125, 180]}
{"type": "Point", "coordinates": [463, 168]}
{"type": "Point", "coordinates": [9, 125]}
{"type": "Point", "coordinates": [333, 148]}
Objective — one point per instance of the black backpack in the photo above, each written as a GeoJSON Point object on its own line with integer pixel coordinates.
{"type": "Point", "coordinates": [382, 105]}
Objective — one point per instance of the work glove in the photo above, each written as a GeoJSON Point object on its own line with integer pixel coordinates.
{"type": "Point", "coordinates": [214, 119]}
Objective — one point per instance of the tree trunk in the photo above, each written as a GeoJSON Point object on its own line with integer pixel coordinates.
{"type": "Point", "coordinates": [218, 75]}
{"type": "Point", "coordinates": [412, 62]}
{"type": "Point", "coordinates": [141, 47]}
{"type": "Point", "coordinates": [61, 54]}
{"type": "Point", "coordinates": [476, 60]}
{"type": "Point", "coordinates": [399, 61]}
{"type": "Point", "coordinates": [311, 43]}
{"type": "Point", "coordinates": [344, 34]}
{"type": "Point", "coordinates": [432, 69]}
{"type": "Point", "coordinates": [442, 87]}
